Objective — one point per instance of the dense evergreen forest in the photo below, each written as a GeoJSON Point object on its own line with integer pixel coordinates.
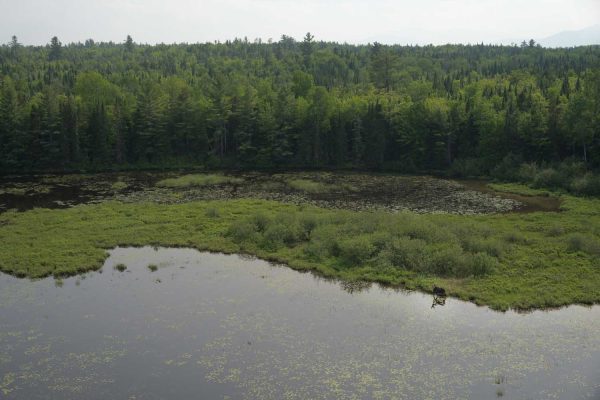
{"type": "Point", "coordinates": [472, 110]}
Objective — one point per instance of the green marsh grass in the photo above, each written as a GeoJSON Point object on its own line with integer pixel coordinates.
{"type": "Point", "coordinates": [315, 187]}
{"type": "Point", "coordinates": [119, 186]}
{"type": "Point", "coordinates": [520, 261]}
{"type": "Point", "coordinates": [198, 180]}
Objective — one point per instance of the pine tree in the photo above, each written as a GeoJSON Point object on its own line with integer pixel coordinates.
{"type": "Point", "coordinates": [129, 44]}
{"type": "Point", "coordinates": [14, 46]}
{"type": "Point", "coordinates": [55, 49]}
{"type": "Point", "coordinates": [307, 48]}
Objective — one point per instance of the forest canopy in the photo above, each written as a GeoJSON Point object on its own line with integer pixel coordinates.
{"type": "Point", "coordinates": [296, 104]}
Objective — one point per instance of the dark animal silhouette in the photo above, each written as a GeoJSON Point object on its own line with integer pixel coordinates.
{"type": "Point", "coordinates": [438, 291]}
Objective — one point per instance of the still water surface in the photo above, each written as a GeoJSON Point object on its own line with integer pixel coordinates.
{"type": "Point", "coordinates": [212, 326]}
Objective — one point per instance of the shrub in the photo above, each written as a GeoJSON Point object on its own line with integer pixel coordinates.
{"type": "Point", "coordinates": [467, 168]}
{"type": "Point", "coordinates": [508, 168]}
{"type": "Point", "coordinates": [260, 221]}
{"type": "Point", "coordinates": [515, 238]}
{"type": "Point", "coordinates": [584, 243]}
{"type": "Point", "coordinates": [356, 251]}
{"type": "Point", "coordinates": [551, 178]}
{"type": "Point", "coordinates": [212, 212]}
{"type": "Point", "coordinates": [243, 231]}
{"type": "Point", "coordinates": [491, 247]}
{"type": "Point", "coordinates": [308, 222]}
{"type": "Point", "coordinates": [481, 264]}
{"type": "Point", "coordinates": [278, 234]}
{"type": "Point", "coordinates": [568, 175]}
{"type": "Point", "coordinates": [121, 267]}
{"type": "Point", "coordinates": [527, 172]}
{"type": "Point", "coordinates": [447, 260]}
{"type": "Point", "coordinates": [323, 242]}
{"type": "Point", "coordinates": [556, 230]}
{"type": "Point", "coordinates": [572, 168]}
{"type": "Point", "coordinates": [427, 231]}
{"type": "Point", "coordinates": [407, 253]}
{"type": "Point", "coordinates": [588, 184]}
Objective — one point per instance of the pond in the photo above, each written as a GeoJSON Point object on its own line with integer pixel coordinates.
{"type": "Point", "coordinates": [223, 326]}
{"type": "Point", "coordinates": [352, 191]}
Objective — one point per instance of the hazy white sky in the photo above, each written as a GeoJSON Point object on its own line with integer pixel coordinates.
{"type": "Point", "coordinates": [354, 21]}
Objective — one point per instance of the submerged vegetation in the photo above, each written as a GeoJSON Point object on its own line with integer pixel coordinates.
{"type": "Point", "coordinates": [536, 260]}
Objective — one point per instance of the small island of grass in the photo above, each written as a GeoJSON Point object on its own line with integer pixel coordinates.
{"type": "Point", "coordinates": [197, 180]}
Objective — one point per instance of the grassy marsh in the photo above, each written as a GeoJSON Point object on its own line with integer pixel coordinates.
{"type": "Point", "coordinates": [315, 187]}
{"type": "Point", "coordinates": [198, 180]}
{"type": "Point", "coordinates": [119, 186]}
{"type": "Point", "coordinates": [518, 261]}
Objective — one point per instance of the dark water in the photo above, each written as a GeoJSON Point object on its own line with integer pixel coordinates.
{"type": "Point", "coordinates": [61, 191]}
{"type": "Point", "coordinates": [209, 326]}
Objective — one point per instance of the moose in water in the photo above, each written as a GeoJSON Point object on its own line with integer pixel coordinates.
{"type": "Point", "coordinates": [439, 297]}
{"type": "Point", "coordinates": [438, 291]}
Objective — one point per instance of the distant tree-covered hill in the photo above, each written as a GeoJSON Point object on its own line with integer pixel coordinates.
{"type": "Point", "coordinates": [295, 104]}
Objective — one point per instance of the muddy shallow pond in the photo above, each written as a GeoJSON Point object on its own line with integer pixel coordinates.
{"type": "Point", "coordinates": [352, 191]}
{"type": "Point", "coordinates": [227, 327]}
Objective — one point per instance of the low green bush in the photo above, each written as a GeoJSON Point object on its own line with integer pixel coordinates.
{"type": "Point", "coordinates": [482, 264]}
{"type": "Point", "coordinates": [585, 243]}
{"type": "Point", "coordinates": [212, 212]}
{"type": "Point", "coordinates": [550, 178]}
{"type": "Point", "coordinates": [121, 267]}
{"type": "Point", "coordinates": [243, 231]}
{"type": "Point", "coordinates": [467, 168]}
{"type": "Point", "coordinates": [475, 244]}
{"type": "Point", "coordinates": [587, 185]}
{"type": "Point", "coordinates": [406, 253]}
{"type": "Point", "coordinates": [570, 175]}
{"type": "Point", "coordinates": [365, 239]}
{"type": "Point", "coordinates": [508, 170]}
{"type": "Point", "coordinates": [355, 251]}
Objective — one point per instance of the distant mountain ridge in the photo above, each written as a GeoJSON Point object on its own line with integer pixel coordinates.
{"type": "Point", "coordinates": [583, 37]}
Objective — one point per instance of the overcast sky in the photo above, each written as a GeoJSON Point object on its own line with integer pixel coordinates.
{"type": "Point", "coordinates": [353, 21]}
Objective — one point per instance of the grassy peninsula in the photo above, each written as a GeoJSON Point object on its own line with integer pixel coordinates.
{"type": "Point", "coordinates": [520, 261]}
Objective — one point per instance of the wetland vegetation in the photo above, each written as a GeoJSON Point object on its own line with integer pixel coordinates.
{"type": "Point", "coordinates": [197, 180]}
{"type": "Point", "coordinates": [298, 219]}
{"type": "Point", "coordinates": [523, 116]}
{"type": "Point", "coordinates": [504, 259]}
